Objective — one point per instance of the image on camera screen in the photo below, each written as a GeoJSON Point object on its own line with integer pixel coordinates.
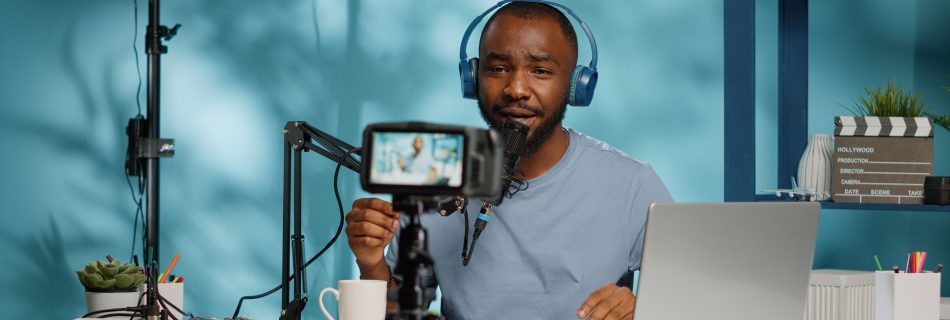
{"type": "Point", "coordinates": [417, 159]}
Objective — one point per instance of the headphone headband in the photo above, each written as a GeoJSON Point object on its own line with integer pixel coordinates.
{"type": "Point", "coordinates": [471, 27]}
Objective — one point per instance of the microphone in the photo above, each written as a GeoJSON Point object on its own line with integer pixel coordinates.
{"type": "Point", "coordinates": [514, 134]}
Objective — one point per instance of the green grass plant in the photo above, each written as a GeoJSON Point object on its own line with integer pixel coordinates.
{"type": "Point", "coordinates": [892, 100]}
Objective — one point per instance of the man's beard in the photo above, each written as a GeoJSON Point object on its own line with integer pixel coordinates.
{"type": "Point", "coordinates": [544, 131]}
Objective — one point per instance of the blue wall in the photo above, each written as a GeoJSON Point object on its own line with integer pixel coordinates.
{"type": "Point", "coordinates": [238, 70]}
{"type": "Point", "coordinates": [235, 73]}
{"type": "Point", "coordinates": [856, 46]}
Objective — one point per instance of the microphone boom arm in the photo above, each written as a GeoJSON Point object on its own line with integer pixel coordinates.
{"type": "Point", "coordinates": [300, 137]}
{"type": "Point", "coordinates": [299, 134]}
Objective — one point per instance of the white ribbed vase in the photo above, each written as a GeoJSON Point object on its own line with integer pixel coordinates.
{"type": "Point", "coordinates": [814, 169]}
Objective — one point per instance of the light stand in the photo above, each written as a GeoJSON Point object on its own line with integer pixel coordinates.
{"type": "Point", "coordinates": [146, 146]}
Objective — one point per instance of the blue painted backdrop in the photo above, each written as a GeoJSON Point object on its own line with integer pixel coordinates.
{"type": "Point", "coordinates": [854, 45]}
{"type": "Point", "coordinates": [238, 70]}
{"type": "Point", "coordinates": [864, 46]}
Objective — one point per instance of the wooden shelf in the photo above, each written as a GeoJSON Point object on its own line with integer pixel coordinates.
{"type": "Point", "coordinates": [888, 207]}
{"type": "Point", "coordinates": [863, 206]}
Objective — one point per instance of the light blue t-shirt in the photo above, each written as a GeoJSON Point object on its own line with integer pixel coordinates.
{"type": "Point", "coordinates": [576, 228]}
{"type": "Point", "coordinates": [419, 163]}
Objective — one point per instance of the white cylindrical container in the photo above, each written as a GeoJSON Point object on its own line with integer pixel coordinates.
{"type": "Point", "coordinates": [907, 296]}
{"type": "Point", "coordinates": [814, 168]}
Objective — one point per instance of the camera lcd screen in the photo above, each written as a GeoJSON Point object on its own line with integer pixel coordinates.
{"type": "Point", "coordinates": [422, 159]}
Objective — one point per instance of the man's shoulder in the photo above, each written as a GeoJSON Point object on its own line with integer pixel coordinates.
{"type": "Point", "coordinates": [594, 150]}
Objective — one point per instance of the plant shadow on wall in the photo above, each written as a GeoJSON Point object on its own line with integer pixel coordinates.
{"type": "Point", "coordinates": [284, 64]}
{"type": "Point", "coordinates": [300, 75]}
{"type": "Point", "coordinates": [45, 261]}
{"type": "Point", "coordinates": [44, 285]}
{"type": "Point", "coordinates": [296, 75]}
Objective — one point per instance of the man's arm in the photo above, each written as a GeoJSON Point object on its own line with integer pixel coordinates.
{"type": "Point", "coordinates": [371, 226]}
{"type": "Point", "coordinates": [608, 302]}
{"type": "Point", "coordinates": [618, 302]}
{"type": "Point", "coordinates": [401, 164]}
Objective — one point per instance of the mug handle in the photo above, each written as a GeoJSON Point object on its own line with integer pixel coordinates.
{"type": "Point", "coordinates": [324, 309]}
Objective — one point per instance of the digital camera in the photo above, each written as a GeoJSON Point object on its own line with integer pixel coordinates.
{"type": "Point", "coordinates": [425, 159]}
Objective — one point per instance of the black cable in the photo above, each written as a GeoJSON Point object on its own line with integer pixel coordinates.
{"type": "Point", "coordinates": [162, 303]}
{"type": "Point", "coordinates": [338, 147]}
{"type": "Point", "coordinates": [515, 185]}
{"type": "Point", "coordinates": [135, 50]}
{"type": "Point", "coordinates": [138, 304]}
{"type": "Point", "coordinates": [138, 102]}
{"type": "Point", "coordinates": [104, 311]}
{"type": "Point", "coordinates": [138, 212]}
{"type": "Point", "coordinates": [117, 315]}
{"type": "Point", "coordinates": [165, 308]}
{"type": "Point", "coordinates": [190, 315]}
{"type": "Point", "coordinates": [464, 211]}
{"type": "Point", "coordinates": [331, 145]}
{"type": "Point", "coordinates": [339, 230]}
{"type": "Point", "coordinates": [136, 311]}
{"type": "Point", "coordinates": [125, 309]}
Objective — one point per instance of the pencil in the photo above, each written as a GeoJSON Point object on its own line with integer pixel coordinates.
{"type": "Point", "coordinates": [170, 267]}
{"type": "Point", "coordinates": [916, 262]}
{"type": "Point", "coordinates": [877, 263]}
{"type": "Point", "coordinates": [907, 268]}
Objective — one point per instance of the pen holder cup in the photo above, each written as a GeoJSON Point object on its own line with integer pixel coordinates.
{"type": "Point", "coordinates": [907, 296]}
{"type": "Point", "coordinates": [174, 293]}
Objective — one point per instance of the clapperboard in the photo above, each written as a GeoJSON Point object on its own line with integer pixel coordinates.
{"type": "Point", "coordinates": [881, 159]}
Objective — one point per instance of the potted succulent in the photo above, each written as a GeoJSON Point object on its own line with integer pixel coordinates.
{"type": "Point", "coordinates": [110, 284]}
{"type": "Point", "coordinates": [883, 152]}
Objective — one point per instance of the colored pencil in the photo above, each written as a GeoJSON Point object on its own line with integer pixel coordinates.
{"type": "Point", "coordinates": [170, 267]}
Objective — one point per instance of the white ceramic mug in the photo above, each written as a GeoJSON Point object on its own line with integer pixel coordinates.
{"type": "Point", "coordinates": [358, 300]}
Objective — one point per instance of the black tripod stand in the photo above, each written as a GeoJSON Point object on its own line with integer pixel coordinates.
{"type": "Point", "coordinates": [414, 267]}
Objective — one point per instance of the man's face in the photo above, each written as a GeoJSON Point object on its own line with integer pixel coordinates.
{"type": "Point", "coordinates": [417, 144]}
{"type": "Point", "coordinates": [524, 74]}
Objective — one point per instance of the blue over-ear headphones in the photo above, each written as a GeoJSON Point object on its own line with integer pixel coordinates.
{"type": "Point", "coordinates": [583, 78]}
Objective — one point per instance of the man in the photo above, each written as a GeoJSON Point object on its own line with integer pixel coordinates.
{"type": "Point", "coordinates": [556, 249]}
{"type": "Point", "coordinates": [419, 162]}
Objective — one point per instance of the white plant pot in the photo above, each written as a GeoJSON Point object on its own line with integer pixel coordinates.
{"type": "Point", "coordinates": [96, 301]}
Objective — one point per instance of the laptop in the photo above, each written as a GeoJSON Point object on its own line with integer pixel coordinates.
{"type": "Point", "coordinates": [732, 261]}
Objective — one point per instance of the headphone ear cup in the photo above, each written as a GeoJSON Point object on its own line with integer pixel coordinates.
{"type": "Point", "coordinates": [468, 71]}
{"type": "Point", "coordinates": [583, 82]}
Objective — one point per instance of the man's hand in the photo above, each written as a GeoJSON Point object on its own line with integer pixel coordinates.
{"type": "Point", "coordinates": [371, 225]}
{"type": "Point", "coordinates": [608, 302]}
